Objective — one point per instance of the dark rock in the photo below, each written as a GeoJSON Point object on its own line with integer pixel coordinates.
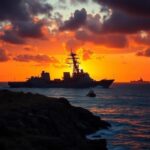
{"type": "Point", "coordinates": [97, 144]}
{"type": "Point", "coordinates": [36, 122]}
{"type": "Point", "coordinates": [64, 100]}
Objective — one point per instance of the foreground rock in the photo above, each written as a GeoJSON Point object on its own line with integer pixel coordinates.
{"type": "Point", "coordinates": [35, 122]}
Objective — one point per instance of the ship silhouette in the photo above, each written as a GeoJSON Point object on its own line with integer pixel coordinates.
{"type": "Point", "coordinates": [140, 81]}
{"type": "Point", "coordinates": [78, 79]}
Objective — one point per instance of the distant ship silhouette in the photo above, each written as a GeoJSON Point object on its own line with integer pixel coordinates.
{"type": "Point", "coordinates": [140, 81]}
{"type": "Point", "coordinates": [78, 79]}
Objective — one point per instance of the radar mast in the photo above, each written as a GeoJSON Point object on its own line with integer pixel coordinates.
{"type": "Point", "coordinates": [73, 57]}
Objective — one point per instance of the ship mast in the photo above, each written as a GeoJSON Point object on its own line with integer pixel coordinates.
{"type": "Point", "coordinates": [74, 58]}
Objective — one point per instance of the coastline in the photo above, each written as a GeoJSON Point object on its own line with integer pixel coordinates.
{"type": "Point", "coordinates": [33, 121]}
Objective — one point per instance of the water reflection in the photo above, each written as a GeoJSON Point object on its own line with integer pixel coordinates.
{"type": "Point", "coordinates": [126, 107]}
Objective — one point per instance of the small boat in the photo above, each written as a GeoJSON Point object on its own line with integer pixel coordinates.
{"type": "Point", "coordinates": [91, 94]}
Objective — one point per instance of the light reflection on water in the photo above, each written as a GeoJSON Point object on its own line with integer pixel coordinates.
{"type": "Point", "coordinates": [126, 107]}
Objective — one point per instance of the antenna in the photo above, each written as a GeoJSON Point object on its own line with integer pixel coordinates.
{"type": "Point", "coordinates": [75, 63]}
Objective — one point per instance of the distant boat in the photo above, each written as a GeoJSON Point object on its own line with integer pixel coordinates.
{"type": "Point", "coordinates": [91, 94]}
{"type": "Point", "coordinates": [140, 81]}
{"type": "Point", "coordinates": [78, 79]}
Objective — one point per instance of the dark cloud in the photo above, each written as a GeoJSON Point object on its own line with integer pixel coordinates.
{"type": "Point", "coordinates": [13, 10]}
{"type": "Point", "coordinates": [22, 9]}
{"type": "Point", "coordinates": [12, 37]}
{"type": "Point", "coordinates": [39, 7]}
{"type": "Point", "coordinates": [120, 22]}
{"type": "Point", "coordinates": [82, 19]}
{"type": "Point", "coordinates": [135, 7]}
{"type": "Point", "coordinates": [76, 21]}
{"type": "Point", "coordinates": [109, 40]}
{"type": "Point", "coordinates": [36, 58]}
{"type": "Point", "coordinates": [128, 16]}
{"type": "Point", "coordinates": [22, 30]}
{"type": "Point", "coordinates": [3, 56]}
{"type": "Point", "coordinates": [20, 14]}
{"type": "Point", "coordinates": [142, 38]}
{"type": "Point", "coordinates": [29, 29]}
{"type": "Point", "coordinates": [145, 53]}
{"type": "Point", "coordinates": [93, 23]}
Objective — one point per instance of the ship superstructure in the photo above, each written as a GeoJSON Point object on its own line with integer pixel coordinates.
{"type": "Point", "coordinates": [78, 74]}
{"type": "Point", "coordinates": [78, 79]}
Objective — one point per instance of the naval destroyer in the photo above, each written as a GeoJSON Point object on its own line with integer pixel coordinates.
{"type": "Point", "coordinates": [78, 79]}
{"type": "Point", "coordinates": [140, 81]}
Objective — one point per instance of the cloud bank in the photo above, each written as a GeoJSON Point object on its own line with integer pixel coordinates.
{"type": "Point", "coordinates": [19, 14]}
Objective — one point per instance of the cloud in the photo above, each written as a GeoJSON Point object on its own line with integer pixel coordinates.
{"type": "Point", "coordinates": [22, 9]}
{"type": "Point", "coordinates": [134, 7]}
{"type": "Point", "coordinates": [12, 37]}
{"type": "Point", "coordinates": [75, 21]}
{"type": "Point", "coordinates": [84, 20]}
{"type": "Point", "coordinates": [128, 16]}
{"type": "Point", "coordinates": [20, 14]}
{"type": "Point", "coordinates": [142, 38]}
{"type": "Point", "coordinates": [93, 23]}
{"type": "Point", "coordinates": [78, 1]}
{"type": "Point", "coordinates": [39, 7]}
{"type": "Point", "coordinates": [29, 29]}
{"type": "Point", "coordinates": [27, 48]}
{"type": "Point", "coordinates": [111, 40]}
{"type": "Point", "coordinates": [30, 48]}
{"type": "Point", "coordinates": [120, 22]}
{"type": "Point", "coordinates": [74, 2]}
{"type": "Point", "coordinates": [36, 58]}
{"type": "Point", "coordinates": [3, 55]}
{"type": "Point", "coordinates": [87, 54]}
{"type": "Point", "coordinates": [22, 30]}
{"type": "Point", "coordinates": [73, 44]}
{"type": "Point", "coordinates": [145, 53]}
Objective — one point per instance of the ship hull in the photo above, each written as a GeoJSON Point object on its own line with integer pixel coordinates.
{"type": "Point", "coordinates": [103, 83]}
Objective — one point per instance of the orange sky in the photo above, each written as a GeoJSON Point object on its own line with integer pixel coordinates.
{"type": "Point", "coordinates": [122, 67]}
{"type": "Point", "coordinates": [43, 42]}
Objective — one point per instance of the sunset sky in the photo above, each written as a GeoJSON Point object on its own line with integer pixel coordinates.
{"type": "Point", "coordinates": [111, 37]}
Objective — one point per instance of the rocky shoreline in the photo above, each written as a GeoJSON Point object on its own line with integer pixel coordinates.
{"type": "Point", "coordinates": [36, 122]}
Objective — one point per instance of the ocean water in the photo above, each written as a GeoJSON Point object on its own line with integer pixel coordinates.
{"type": "Point", "coordinates": [125, 106]}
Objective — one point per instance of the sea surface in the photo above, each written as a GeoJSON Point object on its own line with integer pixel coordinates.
{"type": "Point", "coordinates": [125, 106]}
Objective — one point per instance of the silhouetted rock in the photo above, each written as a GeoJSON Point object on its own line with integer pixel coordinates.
{"type": "Point", "coordinates": [36, 122]}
